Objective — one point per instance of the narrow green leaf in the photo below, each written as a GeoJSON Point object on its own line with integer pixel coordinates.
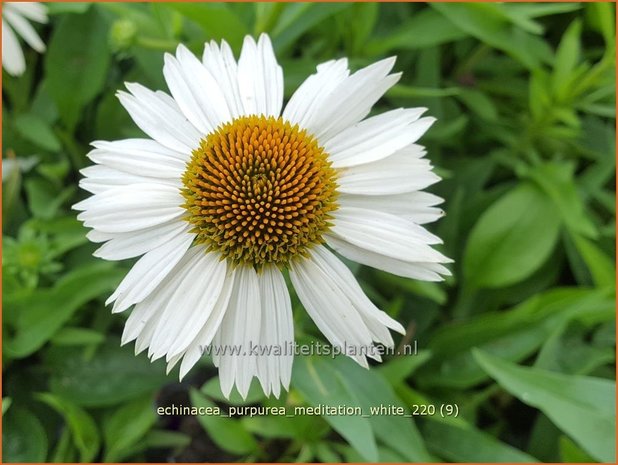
{"type": "Point", "coordinates": [83, 428]}
{"type": "Point", "coordinates": [583, 407]}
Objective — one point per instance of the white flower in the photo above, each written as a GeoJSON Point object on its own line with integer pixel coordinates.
{"type": "Point", "coordinates": [228, 191]}
{"type": "Point", "coordinates": [15, 16]}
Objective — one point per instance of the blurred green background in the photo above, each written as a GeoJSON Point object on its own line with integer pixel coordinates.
{"type": "Point", "coordinates": [522, 337]}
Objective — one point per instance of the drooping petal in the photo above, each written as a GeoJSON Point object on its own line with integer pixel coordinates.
{"type": "Point", "coordinates": [332, 307]}
{"type": "Point", "coordinates": [240, 329]}
{"type": "Point", "coordinates": [148, 272]}
{"type": "Point", "coordinates": [13, 60]}
{"type": "Point", "coordinates": [274, 362]}
{"type": "Point", "coordinates": [34, 11]}
{"type": "Point", "coordinates": [24, 29]}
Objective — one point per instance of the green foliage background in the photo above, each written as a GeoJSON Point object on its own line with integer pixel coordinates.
{"type": "Point", "coordinates": [521, 338]}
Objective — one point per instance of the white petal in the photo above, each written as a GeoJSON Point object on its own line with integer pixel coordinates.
{"type": "Point", "coordinates": [34, 11]}
{"type": "Point", "coordinates": [209, 329]}
{"type": "Point", "coordinates": [144, 317]}
{"type": "Point", "coordinates": [275, 368]}
{"type": "Point", "coordinates": [100, 178]}
{"type": "Point", "coordinates": [377, 137]}
{"type": "Point", "coordinates": [12, 56]}
{"type": "Point", "coordinates": [330, 307]}
{"type": "Point", "coordinates": [130, 208]}
{"type": "Point", "coordinates": [134, 244]}
{"type": "Point", "coordinates": [386, 234]}
{"type": "Point", "coordinates": [24, 29]}
{"type": "Point", "coordinates": [148, 272]}
{"type": "Point", "coordinates": [415, 206]}
{"type": "Point", "coordinates": [260, 78]}
{"type": "Point", "coordinates": [404, 171]}
{"type": "Point", "coordinates": [222, 66]}
{"type": "Point", "coordinates": [190, 306]}
{"type": "Point", "coordinates": [415, 270]}
{"type": "Point", "coordinates": [375, 319]}
{"type": "Point", "coordinates": [240, 328]}
{"type": "Point", "coordinates": [143, 157]}
{"type": "Point", "coordinates": [351, 100]}
{"type": "Point", "coordinates": [195, 90]}
{"type": "Point", "coordinates": [158, 116]}
{"type": "Point", "coordinates": [311, 95]}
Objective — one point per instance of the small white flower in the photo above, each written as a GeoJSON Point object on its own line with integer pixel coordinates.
{"type": "Point", "coordinates": [229, 191]}
{"type": "Point", "coordinates": [15, 16]}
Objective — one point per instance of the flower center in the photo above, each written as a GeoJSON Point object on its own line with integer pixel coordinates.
{"type": "Point", "coordinates": [259, 190]}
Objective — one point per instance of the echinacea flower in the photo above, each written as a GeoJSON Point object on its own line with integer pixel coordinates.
{"type": "Point", "coordinates": [230, 191]}
{"type": "Point", "coordinates": [15, 21]}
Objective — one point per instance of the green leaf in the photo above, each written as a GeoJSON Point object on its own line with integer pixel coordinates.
{"type": "Point", "coordinates": [109, 376]}
{"type": "Point", "coordinates": [567, 57]}
{"type": "Point", "coordinates": [321, 384]}
{"type": "Point", "coordinates": [426, 28]}
{"type": "Point", "coordinates": [76, 62]}
{"type": "Point", "coordinates": [601, 267]}
{"type": "Point", "coordinates": [572, 453]}
{"type": "Point", "coordinates": [297, 18]}
{"type": "Point", "coordinates": [36, 324]}
{"type": "Point", "coordinates": [227, 433]}
{"type": "Point", "coordinates": [23, 437]}
{"type": "Point", "coordinates": [487, 22]}
{"type": "Point", "coordinates": [6, 403]}
{"type": "Point", "coordinates": [557, 181]}
{"type": "Point", "coordinates": [466, 444]}
{"type": "Point", "coordinates": [583, 407]}
{"type": "Point", "coordinates": [126, 426]}
{"type": "Point", "coordinates": [512, 335]}
{"type": "Point", "coordinates": [77, 337]}
{"type": "Point", "coordinates": [601, 16]}
{"type": "Point", "coordinates": [217, 19]}
{"type": "Point", "coordinates": [37, 131]}
{"type": "Point", "coordinates": [83, 428]}
{"type": "Point", "coordinates": [398, 369]}
{"type": "Point", "coordinates": [511, 239]}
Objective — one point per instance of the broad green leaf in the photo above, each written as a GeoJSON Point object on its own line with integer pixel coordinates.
{"type": "Point", "coordinates": [37, 131]}
{"type": "Point", "coordinates": [227, 433]}
{"type": "Point", "coordinates": [6, 403]}
{"type": "Point", "coordinates": [83, 428]}
{"type": "Point", "coordinates": [126, 426]}
{"type": "Point", "coordinates": [36, 324]}
{"type": "Point", "coordinates": [397, 369]}
{"type": "Point", "coordinates": [572, 453]}
{"type": "Point", "coordinates": [601, 16]}
{"type": "Point", "coordinates": [372, 390]}
{"type": "Point", "coordinates": [76, 62]}
{"type": "Point", "coordinates": [109, 376]}
{"type": "Point", "coordinates": [512, 238]}
{"type": "Point", "coordinates": [217, 19]}
{"type": "Point", "coordinates": [466, 444]}
{"type": "Point", "coordinates": [583, 407]}
{"type": "Point", "coordinates": [320, 384]}
{"type": "Point", "coordinates": [557, 181]}
{"type": "Point", "coordinates": [23, 437]}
